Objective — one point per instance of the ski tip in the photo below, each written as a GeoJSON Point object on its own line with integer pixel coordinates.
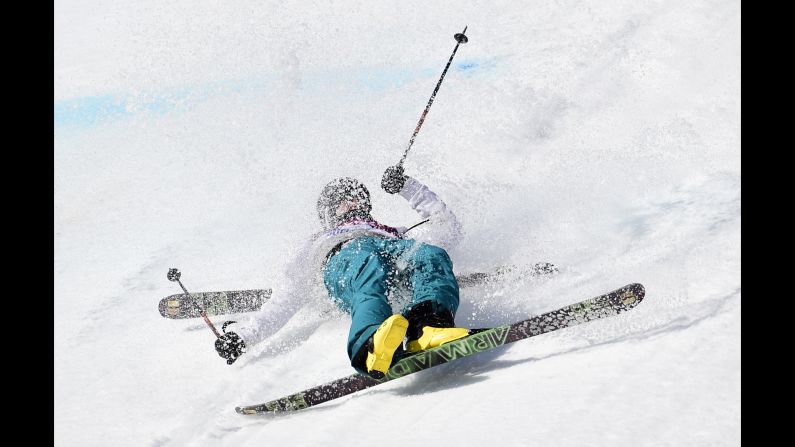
{"type": "Point", "coordinates": [169, 307]}
{"type": "Point", "coordinates": [245, 410]}
{"type": "Point", "coordinates": [628, 296]}
{"type": "Point", "coordinates": [638, 289]}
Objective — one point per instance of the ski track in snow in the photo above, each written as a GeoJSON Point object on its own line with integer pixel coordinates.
{"type": "Point", "coordinates": [603, 137]}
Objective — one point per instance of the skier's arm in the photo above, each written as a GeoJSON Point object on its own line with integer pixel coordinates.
{"type": "Point", "coordinates": [281, 307]}
{"type": "Point", "coordinates": [255, 329]}
{"type": "Point", "coordinates": [443, 228]}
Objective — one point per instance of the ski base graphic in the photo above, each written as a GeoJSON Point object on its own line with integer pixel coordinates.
{"type": "Point", "coordinates": [596, 308]}
{"type": "Point", "coordinates": [214, 303]}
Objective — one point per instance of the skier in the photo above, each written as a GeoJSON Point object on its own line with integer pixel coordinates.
{"type": "Point", "coordinates": [363, 264]}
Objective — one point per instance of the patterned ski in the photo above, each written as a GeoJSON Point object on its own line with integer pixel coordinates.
{"type": "Point", "coordinates": [239, 301]}
{"type": "Point", "coordinates": [601, 306]}
{"type": "Point", "coordinates": [214, 303]}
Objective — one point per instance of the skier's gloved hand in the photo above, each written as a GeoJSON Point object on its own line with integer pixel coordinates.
{"type": "Point", "coordinates": [393, 179]}
{"type": "Point", "coordinates": [230, 346]}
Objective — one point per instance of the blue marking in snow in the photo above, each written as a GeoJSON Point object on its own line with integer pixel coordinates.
{"type": "Point", "coordinates": [78, 113]}
{"type": "Point", "coordinates": [88, 110]}
{"type": "Point", "coordinates": [95, 110]}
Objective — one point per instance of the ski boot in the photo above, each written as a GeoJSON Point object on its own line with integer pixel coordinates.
{"type": "Point", "coordinates": [429, 329]}
{"type": "Point", "coordinates": [383, 344]}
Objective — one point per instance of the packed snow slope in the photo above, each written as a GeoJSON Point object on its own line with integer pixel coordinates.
{"type": "Point", "coordinates": [601, 136]}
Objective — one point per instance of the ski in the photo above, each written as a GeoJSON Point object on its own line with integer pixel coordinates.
{"type": "Point", "coordinates": [213, 303]}
{"type": "Point", "coordinates": [601, 306]}
{"type": "Point", "coordinates": [238, 301]}
{"type": "Point", "coordinates": [502, 271]}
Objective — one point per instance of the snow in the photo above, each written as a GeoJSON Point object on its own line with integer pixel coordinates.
{"type": "Point", "coordinates": [601, 136]}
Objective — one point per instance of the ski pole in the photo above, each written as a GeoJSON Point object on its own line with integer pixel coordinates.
{"type": "Point", "coordinates": [173, 275]}
{"type": "Point", "coordinates": [460, 38]}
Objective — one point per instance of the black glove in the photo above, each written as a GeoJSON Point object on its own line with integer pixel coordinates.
{"type": "Point", "coordinates": [230, 346]}
{"type": "Point", "coordinates": [393, 179]}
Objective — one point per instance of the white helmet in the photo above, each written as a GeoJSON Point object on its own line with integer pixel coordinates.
{"type": "Point", "coordinates": [341, 200]}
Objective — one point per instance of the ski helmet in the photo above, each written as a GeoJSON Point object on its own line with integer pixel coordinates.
{"type": "Point", "coordinates": [343, 199]}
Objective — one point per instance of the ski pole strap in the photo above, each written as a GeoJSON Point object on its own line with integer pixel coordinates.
{"type": "Point", "coordinates": [226, 323]}
{"type": "Point", "coordinates": [415, 225]}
